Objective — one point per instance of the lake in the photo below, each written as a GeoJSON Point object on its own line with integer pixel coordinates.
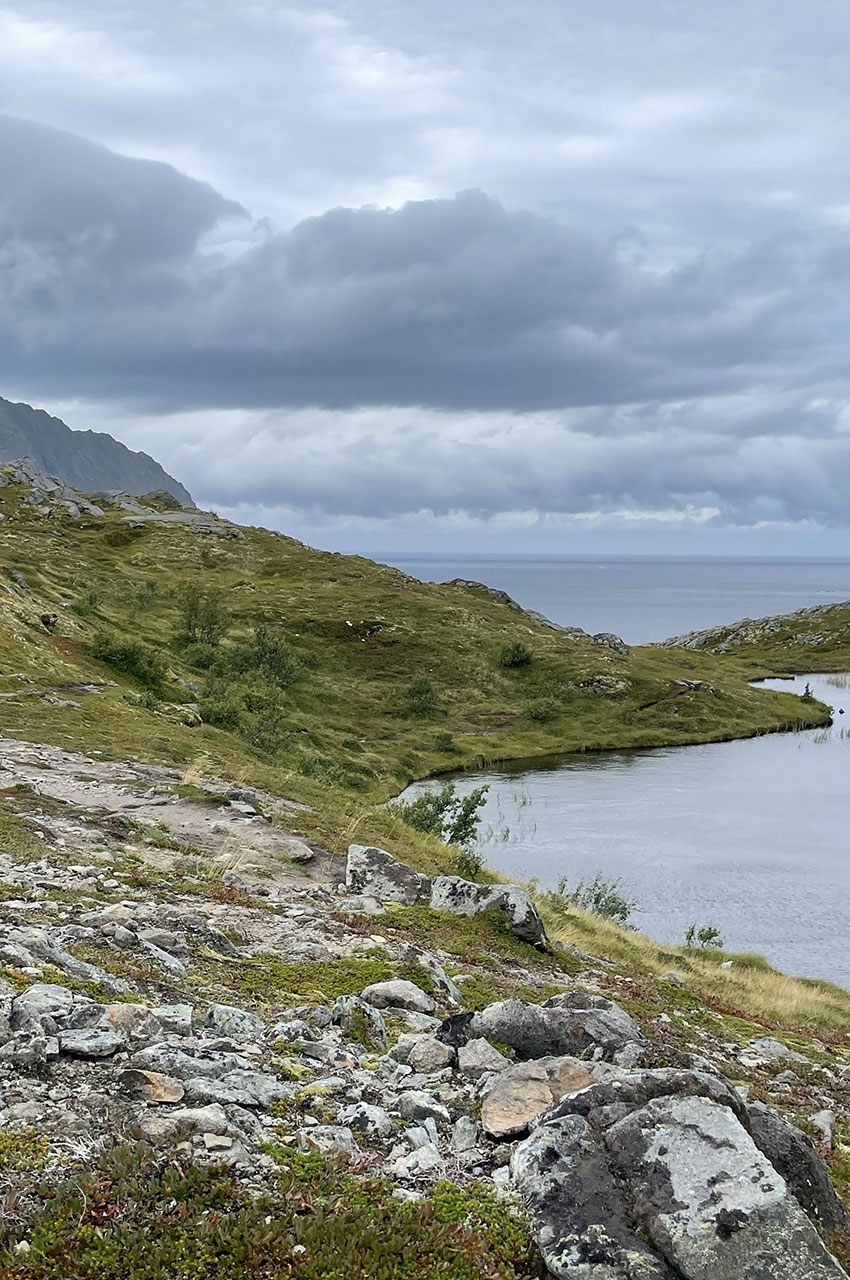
{"type": "Point", "coordinates": [645, 600]}
{"type": "Point", "coordinates": [752, 836]}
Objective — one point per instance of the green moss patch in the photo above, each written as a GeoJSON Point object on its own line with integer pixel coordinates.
{"type": "Point", "coordinates": [140, 1219]}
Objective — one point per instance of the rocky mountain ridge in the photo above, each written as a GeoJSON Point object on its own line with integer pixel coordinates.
{"type": "Point", "coordinates": [822, 626]}
{"type": "Point", "coordinates": [86, 460]}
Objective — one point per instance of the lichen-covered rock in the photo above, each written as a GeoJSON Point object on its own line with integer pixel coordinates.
{"type": "Point", "coordinates": [360, 1117]}
{"type": "Point", "coordinates": [398, 993]}
{"type": "Point", "coordinates": [794, 1156]}
{"type": "Point", "coordinates": [233, 1022]}
{"type": "Point", "coordinates": [90, 1042]}
{"type": "Point", "coordinates": [584, 1226]}
{"type": "Point", "coordinates": [465, 898]}
{"type": "Point", "coordinates": [241, 1088]}
{"type": "Point", "coordinates": [572, 1023]}
{"type": "Point", "coordinates": [376, 874]}
{"type": "Point", "coordinates": [653, 1173]}
{"type": "Point", "coordinates": [711, 1202]}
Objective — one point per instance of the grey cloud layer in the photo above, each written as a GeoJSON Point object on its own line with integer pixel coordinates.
{"type": "Point", "coordinates": [107, 288]}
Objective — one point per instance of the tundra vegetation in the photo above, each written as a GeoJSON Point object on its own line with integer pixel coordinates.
{"type": "Point", "coordinates": [205, 681]}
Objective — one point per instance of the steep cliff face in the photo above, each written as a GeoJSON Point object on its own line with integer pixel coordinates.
{"type": "Point", "coordinates": [86, 460]}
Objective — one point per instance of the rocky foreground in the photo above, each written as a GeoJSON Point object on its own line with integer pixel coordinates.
{"type": "Point", "coordinates": [222, 1019]}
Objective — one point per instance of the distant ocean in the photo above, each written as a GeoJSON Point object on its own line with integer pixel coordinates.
{"type": "Point", "coordinates": [644, 599]}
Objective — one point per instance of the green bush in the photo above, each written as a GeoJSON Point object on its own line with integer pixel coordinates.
{"type": "Point", "coordinates": [252, 707]}
{"type": "Point", "coordinates": [543, 709]}
{"type": "Point", "coordinates": [203, 616]}
{"type": "Point", "coordinates": [266, 654]}
{"type": "Point", "coordinates": [200, 655]}
{"type": "Point", "coordinates": [421, 696]}
{"type": "Point", "coordinates": [245, 689]}
{"type": "Point", "coordinates": [705, 935]}
{"type": "Point", "coordinates": [132, 657]}
{"type": "Point", "coordinates": [443, 813]}
{"type": "Point", "coordinates": [604, 897]}
{"type": "Point", "coordinates": [444, 742]}
{"type": "Point", "coordinates": [515, 655]}
{"type": "Point", "coordinates": [469, 864]}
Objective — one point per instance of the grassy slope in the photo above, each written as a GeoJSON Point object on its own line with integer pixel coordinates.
{"type": "Point", "coordinates": [354, 744]}
{"type": "Point", "coordinates": [349, 715]}
{"type": "Point", "coordinates": [350, 711]}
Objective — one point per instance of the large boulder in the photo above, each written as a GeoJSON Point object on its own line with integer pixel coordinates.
{"type": "Point", "coordinates": [376, 874]}
{"type": "Point", "coordinates": [795, 1157]}
{"type": "Point", "coordinates": [465, 898]}
{"type": "Point", "coordinates": [711, 1202]}
{"type": "Point", "coordinates": [572, 1023]}
{"type": "Point", "coordinates": [650, 1175]}
{"type": "Point", "coordinates": [585, 1227]}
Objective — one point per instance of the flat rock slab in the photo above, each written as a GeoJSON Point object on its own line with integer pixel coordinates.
{"type": "Point", "coordinates": [524, 1091]}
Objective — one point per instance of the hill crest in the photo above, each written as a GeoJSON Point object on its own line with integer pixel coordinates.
{"type": "Point", "coordinates": [87, 460]}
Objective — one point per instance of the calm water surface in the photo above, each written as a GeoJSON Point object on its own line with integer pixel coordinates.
{"type": "Point", "coordinates": [753, 836]}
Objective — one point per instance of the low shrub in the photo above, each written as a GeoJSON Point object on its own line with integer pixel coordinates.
{"type": "Point", "coordinates": [203, 616]}
{"type": "Point", "coordinates": [132, 657]}
{"type": "Point", "coordinates": [603, 897]}
{"type": "Point", "coordinates": [469, 864]}
{"type": "Point", "coordinates": [705, 935]}
{"type": "Point", "coordinates": [443, 813]}
{"type": "Point", "coordinates": [140, 1217]}
{"type": "Point", "coordinates": [515, 655]}
{"type": "Point", "coordinates": [421, 696]}
{"type": "Point", "coordinates": [267, 654]}
{"type": "Point", "coordinates": [543, 709]}
{"type": "Point", "coordinates": [252, 707]}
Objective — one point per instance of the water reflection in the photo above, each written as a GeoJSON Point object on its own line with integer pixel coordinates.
{"type": "Point", "coordinates": [751, 835]}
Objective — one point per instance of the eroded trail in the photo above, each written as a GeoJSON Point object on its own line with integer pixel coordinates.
{"type": "Point", "coordinates": [244, 832]}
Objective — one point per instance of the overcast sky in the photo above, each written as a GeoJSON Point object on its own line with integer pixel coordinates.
{"type": "Point", "coordinates": [392, 275]}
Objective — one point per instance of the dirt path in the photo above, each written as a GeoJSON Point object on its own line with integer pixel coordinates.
{"type": "Point", "coordinates": [244, 832]}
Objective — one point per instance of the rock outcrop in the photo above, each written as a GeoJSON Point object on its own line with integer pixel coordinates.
{"type": "Point", "coordinates": [374, 875]}
{"type": "Point", "coordinates": [661, 1178]}
{"type": "Point", "coordinates": [86, 460]}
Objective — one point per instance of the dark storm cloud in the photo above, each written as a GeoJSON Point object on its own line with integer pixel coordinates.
{"type": "Point", "coordinates": [459, 304]}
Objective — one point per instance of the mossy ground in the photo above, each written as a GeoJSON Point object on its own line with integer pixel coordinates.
{"type": "Point", "coordinates": [137, 1218]}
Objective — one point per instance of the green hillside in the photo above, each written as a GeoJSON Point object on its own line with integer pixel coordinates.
{"type": "Point", "coordinates": [386, 679]}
